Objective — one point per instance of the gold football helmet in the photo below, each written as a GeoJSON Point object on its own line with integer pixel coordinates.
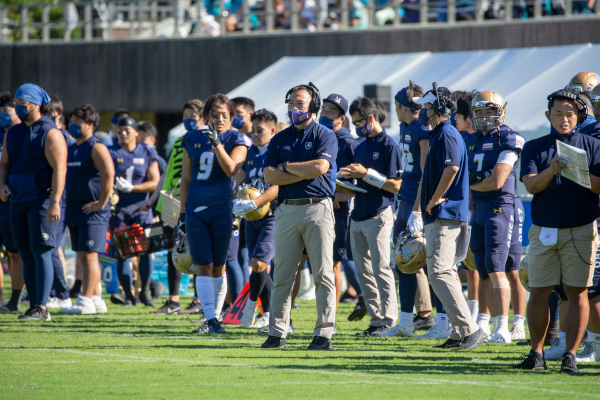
{"type": "Point", "coordinates": [248, 192]}
{"type": "Point", "coordinates": [584, 82]}
{"type": "Point", "coordinates": [524, 272]}
{"type": "Point", "coordinates": [410, 253]}
{"type": "Point", "coordinates": [595, 94]}
{"type": "Point", "coordinates": [488, 99]}
{"type": "Point", "coordinates": [181, 256]}
{"type": "Point", "coordinates": [469, 262]}
{"type": "Point", "coordinates": [114, 198]}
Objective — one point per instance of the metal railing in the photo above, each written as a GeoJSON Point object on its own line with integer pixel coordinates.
{"type": "Point", "coordinates": [137, 19]}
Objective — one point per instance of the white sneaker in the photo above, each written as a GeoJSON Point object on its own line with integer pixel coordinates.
{"type": "Point", "coordinates": [249, 313]}
{"type": "Point", "coordinates": [590, 353]}
{"type": "Point", "coordinates": [557, 349]}
{"type": "Point", "coordinates": [401, 330]}
{"type": "Point", "coordinates": [262, 322]}
{"type": "Point", "coordinates": [100, 306]}
{"type": "Point", "coordinates": [517, 333]}
{"type": "Point", "coordinates": [485, 328]}
{"type": "Point", "coordinates": [501, 336]}
{"type": "Point", "coordinates": [55, 302]}
{"type": "Point", "coordinates": [81, 306]}
{"type": "Point", "coordinates": [435, 332]}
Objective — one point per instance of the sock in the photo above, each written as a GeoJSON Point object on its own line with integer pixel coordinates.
{"type": "Point", "coordinates": [593, 337]}
{"type": "Point", "coordinates": [85, 299]}
{"type": "Point", "coordinates": [77, 285]}
{"type": "Point", "coordinates": [519, 321]}
{"type": "Point", "coordinates": [474, 308]}
{"type": "Point", "coordinates": [406, 319]}
{"type": "Point", "coordinates": [204, 288]}
{"type": "Point", "coordinates": [265, 295]}
{"type": "Point", "coordinates": [96, 299]}
{"type": "Point", "coordinates": [483, 320]}
{"type": "Point", "coordinates": [257, 282]}
{"type": "Point", "coordinates": [502, 321]}
{"type": "Point", "coordinates": [15, 296]}
{"type": "Point", "coordinates": [146, 267]}
{"type": "Point", "coordinates": [494, 324]}
{"type": "Point", "coordinates": [251, 304]}
{"type": "Point", "coordinates": [441, 321]}
{"type": "Point", "coordinates": [219, 292]}
{"type": "Point", "coordinates": [125, 276]}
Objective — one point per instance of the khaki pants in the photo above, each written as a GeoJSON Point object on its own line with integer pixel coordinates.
{"type": "Point", "coordinates": [371, 250]}
{"type": "Point", "coordinates": [423, 296]}
{"type": "Point", "coordinates": [296, 228]}
{"type": "Point", "coordinates": [442, 237]}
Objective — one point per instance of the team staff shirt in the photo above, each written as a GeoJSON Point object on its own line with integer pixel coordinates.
{"type": "Point", "coordinates": [382, 154]}
{"type": "Point", "coordinates": [173, 170]}
{"type": "Point", "coordinates": [446, 147]}
{"type": "Point", "coordinates": [485, 156]}
{"type": "Point", "coordinates": [83, 185]}
{"type": "Point", "coordinates": [592, 129]}
{"type": "Point", "coordinates": [314, 142]}
{"type": "Point", "coordinates": [133, 166]}
{"type": "Point", "coordinates": [210, 186]}
{"type": "Point", "coordinates": [410, 136]}
{"type": "Point", "coordinates": [346, 148]}
{"type": "Point", "coordinates": [563, 204]}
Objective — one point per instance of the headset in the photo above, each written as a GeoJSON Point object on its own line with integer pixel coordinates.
{"type": "Point", "coordinates": [315, 102]}
{"type": "Point", "coordinates": [574, 96]}
{"type": "Point", "coordinates": [440, 105]}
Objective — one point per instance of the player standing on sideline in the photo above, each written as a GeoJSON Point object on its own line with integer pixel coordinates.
{"type": "Point", "coordinates": [377, 166]}
{"type": "Point", "coordinates": [90, 178]}
{"type": "Point", "coordinates": [8, 119]}
{"type": "Point", "coordinates": [114, 124]}
{"type": "Point", "coordinates": [492, 179]}
{"type": "Point", "coordinates": [32, 173]}
{"type": "Point", "coordinates": [242, 120]}
{"type": "Point", "coordinates": [446, 174]}
{"type": "Point", "coordinates": [136, 172]}
{"type": "Point", "coordinates": [300, 159]}
{"type": "Point", "coordinates": [211, 158]}
{"type": "Point", "coordinates": [259, 234]}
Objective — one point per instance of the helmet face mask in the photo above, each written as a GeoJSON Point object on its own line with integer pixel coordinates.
{"type": "Point", "coordinates": [410, 253]}
{"type": "Point", "coordinates": [487, 100]}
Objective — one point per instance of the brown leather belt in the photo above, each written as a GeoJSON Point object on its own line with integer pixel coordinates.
{"type": "Point", "coordinates": [303, 202]}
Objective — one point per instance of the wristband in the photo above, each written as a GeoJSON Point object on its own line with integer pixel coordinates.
{"type": "Point", "coordinates": [374, 178]}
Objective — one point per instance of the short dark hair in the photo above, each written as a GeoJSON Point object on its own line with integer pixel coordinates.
{"type": "Point", "coordinates": [363, 107]}
{"type": "Point", "coordinates": [218, 99]}
{"type": "Point", "coordinates": [413, 90]}
{"type": "Point", "coordinates": [243, 101]}
{"type": "Point", "coordinates": [264, 115]}
{"type": "Point", "coordinates": [122, 113]}
{"type": "Point", "coordinates": [54, 106]}
{"type": "Point", "coordinates": [194, 104]}
{"type": "Point", "coordinates": [382, 111]}
{"type": "Point", "coordinates": [87, 113]}
{"type": "Point", "coordinates": [463, 102]}
{"type": "Point", "coordinates": [147, 127]}
{"type": "Point", "coordinates": [6, 100]}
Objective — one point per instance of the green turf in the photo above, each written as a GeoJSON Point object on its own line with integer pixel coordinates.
{"type": "Point", "coordinates": [130, 353]}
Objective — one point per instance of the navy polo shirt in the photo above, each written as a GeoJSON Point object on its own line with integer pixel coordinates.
{"type": "Point", "coordinates": [314, 142]}
{"type": "Point", "coordinates": [446, 147]}
{"type": "Point", "coordinates": [382, 154]}
{"type": "Point", "coordinates": [592, 129]}
{"type": "Point", "coordinates": [563, 204]}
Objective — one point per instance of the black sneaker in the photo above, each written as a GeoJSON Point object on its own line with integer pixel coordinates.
{"type": "Point", "coordinates": [202, 328]}
{"type": "Point", "coordinates": [380, 331]}
{"type": "Point", "coordinates": [214, 326]}
{"type": "Point", "coordinates": [200, 321]}
{"type": "Point", "coordinates": [193, 308]}
{"type": "Point", "coordinates": [532, 362]}
{"type": "Point", "coordinates": [146, 299]}
{"type": "Point", "coordinates": [11, 307]}
{"type": "Point", "coordinates": [423, 323]}
{"type": "Point", "coordinates": [36, 313]}
{"type": "Point", "coordinates": [117, 298]}
{"type": "Point", "coordinates": [320, 343]}
{"type": "Point", "coordinates": [170, 307]}
{"type": "Point", "coordinates": [273, 342]}
{"type": "Point", "coordinates": [472, 341]}
{"type": "Point", "coordinates": [368, 332]}
{"type": "Point", "coordinates": [568, 364]}
{"type": "Point", "coordinates": [157, 289]}
{"type": "Point", "coordinates": [346, 298]}
{"type": "Point", "coordinates": [449, 344]}
{"type": "Point", "coordinates": [359, 311]}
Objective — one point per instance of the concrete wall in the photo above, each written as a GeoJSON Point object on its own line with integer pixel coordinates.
{"type": "Point", "coordinates": [159, 75]}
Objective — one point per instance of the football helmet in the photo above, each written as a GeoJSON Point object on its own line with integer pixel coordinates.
{"type": "Point", "coordinates": [524, 272]}
{"type": "Point", "coordinates": [469, 262]}
{"type": "Point", "coordinates": [488, 99]}
{"type": "Point", "coordinates": [410, 254]}
{"type": "Point", "coordinates": [250, 190]}
{"type": "Point", "coordinates": [584, 82]}
{"type": "Point", "coordinates": [181, 256]}
{"type": "Point", "coordinates": [113, 198]}
{"type": "Point", "coordinates": [595, 94]}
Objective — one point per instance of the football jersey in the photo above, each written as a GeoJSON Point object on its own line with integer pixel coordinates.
{"type": "Point", "coordinates": [133, 166]}
{"type": "Point", "coordinates": [253, 166]}
{"type": "Point", "coordinates": [410, 149]}
{"type": "Point", "coordinates": [210, 186]}
{"type": "Point", "coordinates": [485, 156]}
{"type": "Point", "coordinates": [83, 185]}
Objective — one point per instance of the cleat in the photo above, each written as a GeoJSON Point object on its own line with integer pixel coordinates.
{"type": "Point", "coordinates": [501, 336]}
{"type": "Point", "coordinates": [320, 343]}
{"type": "Point", "coordinates": [517, 333]}
{"type": "Point", "coordinates": [81, 307]}
{"type": "Point", "coordinates": [346, 298]}
{"type": "Point", "coordinates": [449, 344]}
{"type": "Point", "coordinates": [100, 304]}
{"type": "Point", "coordinates": [262, 322]}
{"type": "Point", "coordinates": [555, 353]}
{"type": "Point", "coordinates": [202, 328]}
{"type": "Point", "coordinates": [157, 289]}
{"type": "Point", "coordinates": [36, 313]}
{"type": "Point", "coordinates": [193, 308]}
{"type": "Point", "coordinates": [200, 321]}
{"type": "Point", "coordinates": [423, 323]}
{"type": "Point", "coordinates": [273, 342]}
{"type": "Point", "coordinates": [435, 333]}
{"type": "Point", "coordinates": [117, 298]}
{"type": "Point", "coordinates": [569, 365]}
{"type": "Point", "coordinates": [11, 307]}
{"type": "Point", "coordinates": [368, 332]}
{"type": "Point", "coordinates": [214, 326]}
{"type": "Point", "coordinates": [146, 299]}
{"type": "Point", "coordinates": [532, 362]}
{"type": "Point", "coordinates": [54, 302]}
{"type": "Point", "coordinates": [380, 331]}
{"type": "Point", "coordinates": [590, 353]}
{"type": "Point", "coordinates": [472, 341]}
{"type": "Point", "coordinates": [249, 313]}
{"type": "Point", "coordinates": [170, 307]}
{"type": "Point", "coordinates": [359, 311]}
{"type": "Point", "coordinates": [401, 330]}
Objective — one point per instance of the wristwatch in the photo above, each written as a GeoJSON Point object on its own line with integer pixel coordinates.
{"type": "Point", "coordinates": [284, 165]}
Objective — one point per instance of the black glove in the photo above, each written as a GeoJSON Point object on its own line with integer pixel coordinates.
{"type": "Point", "coordinates": [212, 135]}
{"type": "Point", "coordinates": [475, 177]}
{"type": "Point", "coordinates": [181, 224]}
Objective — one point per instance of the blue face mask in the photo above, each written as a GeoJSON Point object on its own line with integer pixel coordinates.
{"type": "Point", "coordinates": [365, 130]}
{"type": "Point", "coordinates": [5, 120]}
{"type": "Point", "coordinates": [563, 135]}
{"type": "Point", "coordinates": [326, 122]}
{"type": "Point", "coordinates": [75, 131]}
{"type": "Point", "coordinates": [190, 124]}
{"type": "Point", "coordinates": [238, 122]}
{"type": "Point", "coordinates": [298, 117]}
{"type": "Point", "coordinates": [423, 118]}
{"type": "Point", "coordinates": [21, 112]}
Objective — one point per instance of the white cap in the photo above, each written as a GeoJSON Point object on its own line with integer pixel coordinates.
{"type": "Point", "coordinates": [428, 98]}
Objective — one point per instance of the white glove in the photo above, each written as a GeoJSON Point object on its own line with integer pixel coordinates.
{"type": "Point", "coordinates": [415, 222]}
{"type": "Point", "coordinates": [123, 185]}
{"type": "Point", "coordinates": [243, 207]}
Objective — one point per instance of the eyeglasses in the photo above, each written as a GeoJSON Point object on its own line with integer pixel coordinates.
{"type": "Point", "coordinates": [357, 123]}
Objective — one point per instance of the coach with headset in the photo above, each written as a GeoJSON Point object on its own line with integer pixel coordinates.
{"type": "Point", "coordinates": [300, 159]}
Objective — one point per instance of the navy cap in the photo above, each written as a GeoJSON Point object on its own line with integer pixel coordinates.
{"type": "Point", "coordinates": [338, 100]}
{"type": "Point", "coordinates": [128, 121]}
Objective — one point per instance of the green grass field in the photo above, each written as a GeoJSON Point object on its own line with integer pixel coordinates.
{"type": "Point", "coordinates": [130, 353]}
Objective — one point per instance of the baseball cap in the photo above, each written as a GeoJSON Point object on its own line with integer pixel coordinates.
{"type": "Point", "coordinates": [338, 100]}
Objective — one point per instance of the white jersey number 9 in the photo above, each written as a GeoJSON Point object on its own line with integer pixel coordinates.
{"type": "Point", "coordinates": [206, 165]}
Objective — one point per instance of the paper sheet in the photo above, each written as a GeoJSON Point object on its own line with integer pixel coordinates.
{"type": "Point", "coordinates": [577, 164]}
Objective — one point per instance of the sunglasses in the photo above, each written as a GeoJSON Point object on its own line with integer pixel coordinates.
{"type": "Point", "coordinates": [357, 122]}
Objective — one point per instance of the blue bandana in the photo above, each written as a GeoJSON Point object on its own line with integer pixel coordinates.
{"type": "Point", "coordinates": [33, 94]}
{"type": "Point", "coordinates": [402, 99]}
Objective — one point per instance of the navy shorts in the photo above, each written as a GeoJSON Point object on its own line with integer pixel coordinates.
{"type": "Point", "coordinates": [209, 233]}
{"type": "Point", "coordinates": [516, 249]}
{"type": "Point", "coordinates": [260, 236]}
{"type": "Point", "coordinates": [5, 231]}
{"type": "Point", "coordinates": [491, 234]}
{"type": "Point", "coordinates": [404, 209]}
{"type": "Point", "coordinates": [129, 215]}
{"type": "Point", "coordinates": [30, 226]}
{"type": "Point", "coordinates": [88, 238]}
{"type": "Point", "coordinates": [341, 215]}
{"type": "Point", "coordinates": [234, 245]}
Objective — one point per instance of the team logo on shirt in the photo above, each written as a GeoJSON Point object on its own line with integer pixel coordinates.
{"type": "Point", "coordinates": [375, 156]}
{"type": "Point", "coordinates": [138, 161]}
{"type": "Point", "coordinates": [45, 237]}
{"type": "Point", "coordinates": [197, 145]}
{"type": "Point", "coordinates": [407, 138]}
{"type": "Point", "coordinates": [33, 136]}
{"type": "Point", "coordinates": [520, 142]}
{"type": "Point", "coordinates": [342, 252]}
{"type": "Point", "coordinates": [250, 162]}
{"type": "Point", "coordinates": [488, 146]}
{"type": "Point", "coordinates": [497, 210]}
{"type": "Point", "coordinates": [75, 152]}
{"type": "Point", "coordinates": [119, 160]}
{"type": "Point", "coordinates": [308, 145]}
{"type": "Point", "coordinates": [89, 243]}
